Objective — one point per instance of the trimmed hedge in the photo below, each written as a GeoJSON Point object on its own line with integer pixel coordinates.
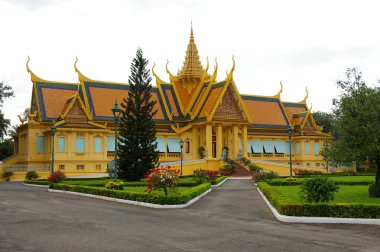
{"type": "Point", "coordinates": [219, 179]}
{"type": "Point", "coordinates": [341, 210]}
{"type": "Point", "coordinates": [135, 196]}
{"type": "Point", "coordinates": [37, 182]}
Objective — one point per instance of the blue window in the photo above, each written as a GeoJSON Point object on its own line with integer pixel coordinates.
{"type": "Point", "coordinates": [257, 147]}
{"type": "Point", "coordinates": [173, 145]}
{"type": "Point", "coordinates": [160, 144]}
{"type": "Point", "coordinates": [79, 144]}
{"type": "Point", "coordinates": [98, 144]}
{"type": "Point", "coordinates": [316, 148]}
{"type": "Point", "coordinates": [298, 148]}
{"type": "Point", "coordinates": [61, 144]}
{"type": "Point", "coordinates": [280, 147]}
{"type": "Point", "coordinates": [40, 144]}
{"type": "Point", "coordinates": [111, 143]}
{"type": "Point", "coordinates": [268, 146]}
{"type": "Point", "coordinates": [249, 146]}
{"type": "Point", "coordinates": [307, 148]}
{"type": "Point", "coordinates": [287, 147]}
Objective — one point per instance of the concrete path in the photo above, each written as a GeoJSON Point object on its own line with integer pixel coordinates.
{"type": "Point", "coordinates": [232, 217]}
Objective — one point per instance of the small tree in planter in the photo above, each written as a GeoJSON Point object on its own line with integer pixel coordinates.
{"type": "Point", "coordinates": [7, 175]}
{"type": "Point", "coordinates": [212, 175]}
{"type": "Point", "coordinates": [162, 178]}
{"type": "Point", "coordinates": [200, 175]}
{"type": "Point", "coordinates": [202, 152]}
{"type": "Point", "coordinates": [31, 175]}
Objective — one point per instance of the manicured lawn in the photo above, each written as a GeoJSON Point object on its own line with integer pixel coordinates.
{"type": "Point", "coordinates": [346, 194]}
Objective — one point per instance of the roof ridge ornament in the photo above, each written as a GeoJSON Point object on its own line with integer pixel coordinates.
{"type": "Point", "coordinates": [278, 95]}
{"type": "Point", "coordinates": [304, 99]}
{"type": "Point", "coordinates": [230, 75]}
{"type": "Point", "coordinates": [33, 76]}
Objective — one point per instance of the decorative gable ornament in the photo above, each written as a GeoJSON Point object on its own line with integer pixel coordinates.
{"type": "Point", "coordinates": [228, 108]}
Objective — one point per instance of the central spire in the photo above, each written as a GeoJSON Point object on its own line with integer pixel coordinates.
{"type": "Point", "coordinates": [192, 67]}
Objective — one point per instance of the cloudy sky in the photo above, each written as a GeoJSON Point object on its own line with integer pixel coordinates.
{"type": "Point", "coordinates": [302, 43]}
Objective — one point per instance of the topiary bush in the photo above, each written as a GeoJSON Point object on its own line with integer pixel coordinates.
{"type": "Point", "coordinates": [7, 175]}
{"type": "Point", "coordinates": [305, 172]}
{"type": "Point", "coordinates": [373, 190]}
{"type": "Point", "coordinates": [114, 185]}
{"type": "Point", "coordinates": [31, 175]}
{"type": "Point", "coordinates": [318, 189]}
{"type": "Point", "coordinates": [56, 177]}
{"type": "Point", "coordinates": [202, 152]}
{"type": "Point", "coordinates": [200, 176]}
{"type": "Point", "coordinates": [228, 169]}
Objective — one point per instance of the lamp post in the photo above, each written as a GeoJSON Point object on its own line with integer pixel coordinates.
{"type": "Point", "coordinates": [290, 130]}
{"type": "Point", "coordinates": [53, 130]}
{"type": "Point", "coordinates": [116, 113]}
{"type": "Point", "coordinates": [181, 145]}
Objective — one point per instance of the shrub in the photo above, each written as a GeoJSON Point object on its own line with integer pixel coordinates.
{"type": "Point", "coordinates": [373, 190]}
{"type": "Point", "coordinates": [114, 185]}
{"type": "Point", "coordinates": [228, 169]}
{"type": "Point", "coordinates": [212, 176]}
{"type": "Point", "coordinates": [162, 178]}
{"type": "Point", "coordinates": [305, 172]}
{"type": "Point", "coordinates": [31, 175]}
{"type": "Point", "coordinates": [318, 189]}
{"type": "Point", "coordinates": [200, 176]}
{"type": "Point", "coordinates": [56, 177]}
{"type": "Point", "coordinates": [350, 172]}
{"type": "Point", "coordinates": [290, 179]}
{"type": "Point", "coordinates": [255, 167]}
{"type": "Point", "coordinates": [246, 161]}
{"type": "Point", "coordinates": [264, 176]}
{"type": "Point", "coordinates": [7, 175]}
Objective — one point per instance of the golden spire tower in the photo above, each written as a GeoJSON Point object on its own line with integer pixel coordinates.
{"type": "Point", "coordinates": [192, 69]}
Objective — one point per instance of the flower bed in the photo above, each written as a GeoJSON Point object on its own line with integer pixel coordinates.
{"type": "Point", "coordinates": [291, 206]}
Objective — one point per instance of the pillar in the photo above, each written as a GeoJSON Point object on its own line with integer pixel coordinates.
{"type": "Point", "coordinates": [194, 143]}
{"type": "Point", "coordinates": [235, 139]}
{"type": "Point", "coordinates": [244, 133]}
{"type": "Point", "coordinates": [209, 141]}
{"type": "Point", "coordinates": [219, 140]}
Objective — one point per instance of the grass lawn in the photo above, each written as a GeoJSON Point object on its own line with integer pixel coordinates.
{"type": "Point", "coordinates": [346, 194]}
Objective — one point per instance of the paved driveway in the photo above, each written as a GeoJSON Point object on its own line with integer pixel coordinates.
{"type": "Point", "coordinates": [230, 218]}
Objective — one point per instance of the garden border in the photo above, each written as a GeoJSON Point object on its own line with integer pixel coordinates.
{"type": "Point", "coordinates": [132, 202]}
{"type": "Point", "coordinates": [319, 220]}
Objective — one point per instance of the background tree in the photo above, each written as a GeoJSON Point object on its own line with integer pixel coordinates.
{"type": "Point", "coordinates": [357, 113]}
{"type": "Point", "coordinates": [137, 147]}
{"type": "Point", "coordinates": [5, 92]}
{"type": "Point", "coordinates": [326, 120]}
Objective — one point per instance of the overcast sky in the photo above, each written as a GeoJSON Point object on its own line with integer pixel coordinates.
{"type": "Point", "coordinates": [302, 43]}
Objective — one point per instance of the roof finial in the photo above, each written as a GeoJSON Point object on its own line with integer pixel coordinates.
{"type": "Point", "coordinates": [191, 32]}
{"type": "Point", "coordinates": [304, 99]}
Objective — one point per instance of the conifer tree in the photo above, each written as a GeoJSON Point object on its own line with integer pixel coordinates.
{"type": "Point", "coordinates": [137, 147]}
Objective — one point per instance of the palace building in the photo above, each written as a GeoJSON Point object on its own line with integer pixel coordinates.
{"type": "Point", "coordinates": [194, 105]}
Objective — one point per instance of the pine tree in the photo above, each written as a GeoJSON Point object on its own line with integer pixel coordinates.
{"type": "Point", "coordinates": [137, 147]}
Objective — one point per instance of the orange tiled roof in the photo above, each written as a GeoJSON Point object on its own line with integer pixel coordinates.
{"type": "Point", "coordinates": [265, 112]}
{"type": "Point", "coordinates": [212, 97]}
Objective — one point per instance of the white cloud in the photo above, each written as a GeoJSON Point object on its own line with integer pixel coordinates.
{"type": "Point", "coordinates": [302, 43]}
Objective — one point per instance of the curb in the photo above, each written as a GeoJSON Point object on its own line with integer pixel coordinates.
{"type": "Point", "coordinates": [136, 203]}
{"type": "Point", "coordinates": [34, 185]}
{"type": "Point", "coordinates": [220, 183]}
{"type": "Point", "coordinates": [320, 220]}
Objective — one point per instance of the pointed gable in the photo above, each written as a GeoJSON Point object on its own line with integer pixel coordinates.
{"type": "Point", "coordinates": [76, 113]}
{"type": "Point", "coordinates": [228, 108]}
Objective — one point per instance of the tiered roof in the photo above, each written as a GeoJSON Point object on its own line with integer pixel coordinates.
{"type": "Point", "coordinates": [191, 97]}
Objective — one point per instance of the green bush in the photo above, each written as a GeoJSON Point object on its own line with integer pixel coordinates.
{"type": "Point", "coordinates": [318, 189]}
{"type": "Point", "coordinates": [255, 167]}
{"type": "Point", "coordinates": [350, 172]}
{"type": "Point", "coordinates": [228, 168]}
{"type": "Point", "coordinates": [114, 185]}
{"type": "Point", "coordinates": [373, 190]}
{"type": "Point", "coordinates": [31, 175]}
{"type": "Point", "coordinates": [135, 196]}
{"type": "Point", "coordinates": [305, 172]}
{"type": "Point", "coordinates": [200, 176]}
{"type": "Point", "coordinates": [7, 175]}
{"type": "Point", "coordinates": [218, 180]}
{"type": "Point", "coordinates": [340, 210]}
{"type": "Point", "coordinates": [268, 176]}
{"type": "Point", "coordinates": [202, 152]}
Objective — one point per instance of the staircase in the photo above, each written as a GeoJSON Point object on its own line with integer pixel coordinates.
{"type": "Point", "coordinates": [241, 171]}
